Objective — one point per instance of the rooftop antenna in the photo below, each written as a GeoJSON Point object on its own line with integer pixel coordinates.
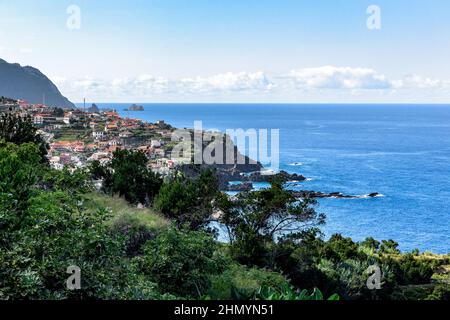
{"type": "Point", "coordinates": [84, 104]}
{"type": "Point", "coordinates": [43, 99]}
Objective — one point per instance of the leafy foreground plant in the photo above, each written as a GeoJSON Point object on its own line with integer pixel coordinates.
{"type": "Point", "coordinates": [285, 292]}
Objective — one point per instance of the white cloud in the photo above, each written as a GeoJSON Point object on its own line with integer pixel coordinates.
{"type": "Point", "coordinates": [242, 81]}
{"type": "Point", "coordinates": [88, 84]}
{"type": "Point", "coordinates": [84, 87]}
{"type": "Point", "coordinates": [328, 82]}
{"type": "Point", "coordinates": [418, 82]}
{"type": "Point", "coordinates": [330, 77]}
{"type": "Point", "coordinates": [148, 86]}
{"type": "Point", "coordinates": [144, 84]}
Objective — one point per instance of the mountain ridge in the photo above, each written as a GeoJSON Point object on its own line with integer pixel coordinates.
{"type": "Point", "coordinates": [30, 84]}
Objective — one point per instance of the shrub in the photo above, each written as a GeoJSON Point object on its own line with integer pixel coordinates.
{"type": "Point", "coordinates": [188, 202]}
{"type": "Point", "coordinates": [136, 234]}
{"type": "Point", "coordinates": [237, 278]}
{"type": "Point", "coordinates": [18, 130]}
{"type": "Point", "coordinates": [181, 262]}
{"type": "Point", "coordinates": [410, 270]}
{"type": "Point", "coordinates": [440, 292]}
{"type": "Point", "coordinates": [339, 248]}
{"type": "Point", "coordinates": [128, 176]}
{"type": "Point", "coordinates": [288, 293]}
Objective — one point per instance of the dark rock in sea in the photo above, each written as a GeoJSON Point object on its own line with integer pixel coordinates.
{"type": "Point", "coordinates": [93, 109]}
{"type": "Point", "coordinates": [337, 195]}
{"type": "Point", "coordinates": [287, 177]}
{"type": "Point", "coordinates": [244, 186]}
{"type": "Point", "coordinates": [261, 176]}
{"type": "Point", "coordinates": [135, 107]}
{"type": "Point", "coordinates": [28, 83]}
{"type": "Point", "coordinates": [374, 195]}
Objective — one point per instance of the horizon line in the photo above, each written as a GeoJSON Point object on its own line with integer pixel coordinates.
{"type": "Point", "coordinates": [278, 103]}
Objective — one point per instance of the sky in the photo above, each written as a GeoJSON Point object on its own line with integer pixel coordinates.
{"type": "Point", "coordinates": [293, 51]}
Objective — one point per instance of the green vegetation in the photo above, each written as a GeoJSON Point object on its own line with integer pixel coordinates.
{"type": "Point", "coordinates": [72, 135]}
{"type": "Point", "coordinates": [165, 247]}
{"type": "Point", "coordinates": [120, 210]}
{"type": "Point", "coordinates": [257, 219]}
{"type": "Point", "coordinates": [288, 293]}
{"type": "Point", "coordinates": [189, 202]}
{"type": "Point", "coordinates": [128, 176]}
{"type": "Point", "coordinates": [5, 100]}
{"type": "Point", "coordinates": [44, 230]}
{"type": "Point", "coordinates": [181, 262]}
{"type": "Point", "coordinates": [241, 281]}
{"type": "Point", "coordinates": [20, 130]}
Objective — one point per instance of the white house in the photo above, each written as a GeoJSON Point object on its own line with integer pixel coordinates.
{"type": "Point", "coordinates": [38, 120]}
{"type": "Point", "coordinates": [155, 144]}
{"type": "Point", "coordinates": [98, 134]}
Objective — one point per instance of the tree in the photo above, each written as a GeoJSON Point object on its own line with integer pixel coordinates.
{"type": "Point", "coordinates": [58, 112]}
{"type": "Point", "coordinates": [98, 171]}
{"type": "Point", "coordinates": [389, 246]}
{"type": "Point", "coordinates": [298, 258]}
{"type": "Point", "coordinates": [189, 202]}
{"type": "Point", "coordinates": [258, 218]}
{"type": "Point", "coordinates": [20, 130]}
{"type": "Point", "coordinates": [340, 248]}
{"type": "Point", "coordinates": [127, 174]}
{"type": "Point", "coordinates": [371, 243]}
{"type": "Point", "coordinates": [5, 100]}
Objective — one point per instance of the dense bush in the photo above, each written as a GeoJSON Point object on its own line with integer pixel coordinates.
{"type": "Point", "coordinates": [19, 130]}
{"type": "Point", "coordinates": [288, 293]}
{"type": "Point", "coordinates": [339, 248]}
{"type": "Point", "coordinates": [340, 265]}
{"type": "Point", "coordinates": [181, 262]}
{"type": "Point", "coordinates": [299, 257]}
{"type": "Point", "coordinates": [410, 270]}
{"type": "Point", "coordinates": [188, 202]}
{"type": "Point", "coordinates": [135, 233]}
{"type": "Point", "coordinates": [237, 279]}
{"type": "Point", "coordinates": [127, 175]}
{"type": "Point", "coordinates": [440, 292]}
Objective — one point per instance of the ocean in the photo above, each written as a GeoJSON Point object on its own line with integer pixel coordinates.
{"type": "Point", "coordinates": [400, 151]}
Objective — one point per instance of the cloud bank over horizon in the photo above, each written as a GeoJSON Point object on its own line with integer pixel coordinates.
{"type": "Point", "coordinates": [297, 85]}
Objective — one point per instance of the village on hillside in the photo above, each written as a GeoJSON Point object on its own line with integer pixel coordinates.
{"type": "Point", "coordinates": [77, 137]}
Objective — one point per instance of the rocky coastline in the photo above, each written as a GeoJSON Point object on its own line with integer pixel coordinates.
{"type": "Point", "coordinates": [247, 177]}
{"type": "Point", "coordinates": [241, 174]}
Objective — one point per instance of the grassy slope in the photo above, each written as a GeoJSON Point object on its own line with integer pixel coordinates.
{"type": "Point", "coordinates": [119, 207]}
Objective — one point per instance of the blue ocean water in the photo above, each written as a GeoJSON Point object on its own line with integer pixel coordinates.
{"type": "Point", "coordinates": [401, 151]}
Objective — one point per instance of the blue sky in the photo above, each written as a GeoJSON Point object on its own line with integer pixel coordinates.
{"type": "Point", "coordinates": [234, 51]}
